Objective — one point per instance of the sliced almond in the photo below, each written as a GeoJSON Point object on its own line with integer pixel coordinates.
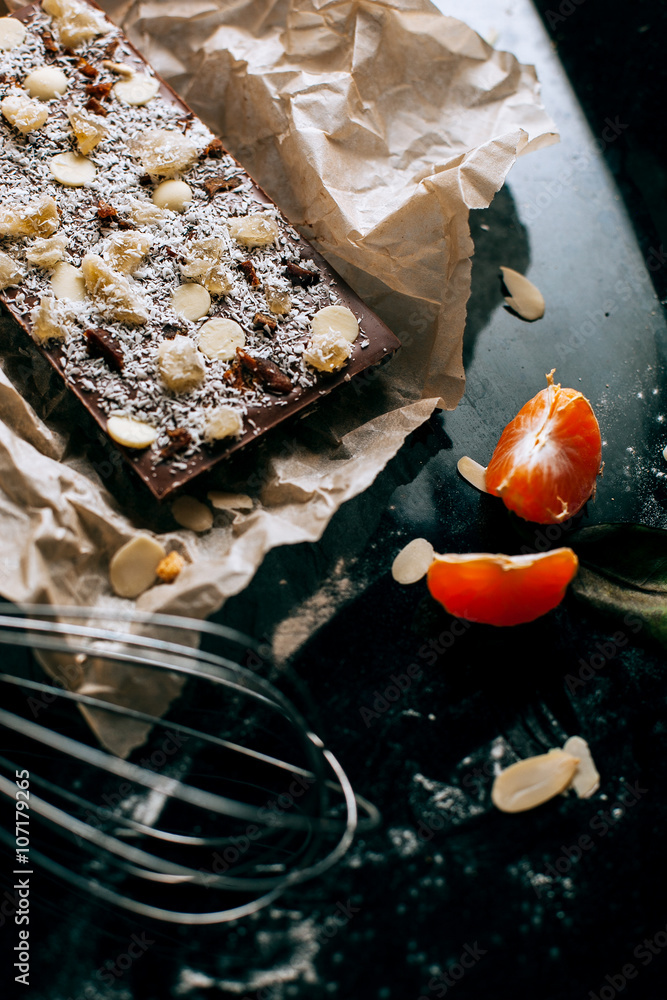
{"type": "Point", "coordinates": [122, 69]}
{"type": "Point", "coordinates": [473, 472]}
{"type": "Point", "coordinates": [174, 195]}
{"type": "Point", "coordinates": [132, 568]}
{"type": "Point", "coordinates": [219, 338]}
{"type": "Point", "coordinates": [229, 501]}
{"type": "Point", "coordinates": [68, 283]}
{"type": "Point", "coordinates": [130, 432]}
{"type": "Point", "coordinates": [532, 781]}
{"type": "Point", "coordinates": [254, 230]}
{"type": "Point", "coordinates": [136, 90]}
{"type": "Point", "coordinates": [191, 301]}
{"type": "Point", "coordinates": [72, 169]}
{"type": "Point", "coordinates": [412, 562]}
{"type": "Point", "coordinates": [223, 422]}
{"type": "Point", "coordinates": [12, 33]}
{"type": "Point", "coordinates": [524, 298]}
{"type": "Point", "coordinates": [338, 320]}
{"type": "Point", "coordinates": [46, 83]}
{"type": "Point", "coordinates": [191, 513]}
{"type": "Point", "coordinates": [586, 779]}
{"type": "Point", "coordinates": [181, 364]}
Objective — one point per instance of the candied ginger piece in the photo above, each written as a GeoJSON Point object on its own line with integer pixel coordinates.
{"type": "Point", "coordinates": [204, 263]}
{"type": "Point", "coordinates": [37, 218]}
{"type": "Point", "coordinates": [47, 253]}
{"type": "Point", "coordinates": [49, 320]}
{"type": "Point", "coordinates": [75, 22]}
{"type": "Point", "coordinates": [23, 113]}
{"type": "Point", "coordinates": [126, 251]}
{"type": "Point", "coordinates": [10, 272]}
{"type": "Point", "coordinates": [164, 153]}
{"type": "Point", "coordinates": [113, 293]}
{"type": "Point", "coordinates": [88, 128]}
{"type": "Point", "coordinates": [145, 213]}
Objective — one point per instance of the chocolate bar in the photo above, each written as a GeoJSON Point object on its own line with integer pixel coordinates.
{"type": "Point", "coordinates": [161, 282]}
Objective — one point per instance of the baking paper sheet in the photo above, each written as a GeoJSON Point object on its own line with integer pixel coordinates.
{"type": "Point", "coordinates": [376, 126]}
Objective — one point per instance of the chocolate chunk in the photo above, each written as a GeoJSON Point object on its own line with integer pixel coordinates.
{"type": "Point", "coordinates": [92, 104]}
{"type": "Point", "coordinates": [145, 180]}
{"type": "Point", "coordinates": [248, 269]}
{"type": "Point", "coordinates": [50, 43]}
{"type": "Point", "coordinates": [126, 224]}
{"type": "Point", "coordinates": [301, 275]}
{"type": "Point", "coordinates": [261, 320]}
{"type": "Point", "coordinates": [215, 149]}
{"type": "Point", "coordinates": [265, 372]}
{"type": "Point", "coordinates": [101, 91]}
{"type": "Point", "coordinates": [84, 67]}
{"type": "Point", "coordinates": [215, 184]}
{"type": "Point", "coordinates": [103, 344]}
{"type": "Point", "coordinates": [179, 439]}
{"type": "Point", "coordinates": [106, 212]}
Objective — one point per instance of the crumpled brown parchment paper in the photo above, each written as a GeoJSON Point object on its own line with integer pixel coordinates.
{"type": "Point", "coordinates": [376, 126]}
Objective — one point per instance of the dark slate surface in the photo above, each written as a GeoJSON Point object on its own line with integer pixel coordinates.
{"type": "Point", "coordinates": [449, 896]}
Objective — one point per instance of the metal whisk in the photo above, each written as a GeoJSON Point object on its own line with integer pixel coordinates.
{"type": "Point", "coordinates": [246, 802]}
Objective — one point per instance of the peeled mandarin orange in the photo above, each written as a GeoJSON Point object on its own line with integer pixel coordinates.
{"type": "Point", "coordinates": [545, 465]}
{"type": "Point", "coordinates": [501, 590]}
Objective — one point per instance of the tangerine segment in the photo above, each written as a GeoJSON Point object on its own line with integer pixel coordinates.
{"type": "Point", "coordinates": [501, 590]}
{"type": "Point", "coordinates": [547, 460]}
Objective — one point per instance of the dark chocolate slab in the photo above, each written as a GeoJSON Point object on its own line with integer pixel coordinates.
{"type": "Point", "coordinates": [163, 477]}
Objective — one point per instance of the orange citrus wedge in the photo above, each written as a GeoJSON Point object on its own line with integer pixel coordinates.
{"type": "Point", "coordinates": [547, 460]}
{"type": "Point", "coordinates": [501, 590]}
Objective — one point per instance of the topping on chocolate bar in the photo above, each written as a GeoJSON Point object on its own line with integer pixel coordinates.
{"type": "Point", "coordinates": [103, 344]}
{"type": "Point", "coordinates": [254, 230]}
{"type": "Point", "coordinates": [72, 169]}
{"type": "Point", "coordinates": [223, 422]}
{"type": "Point", "coordinates": [24, 114]}
{"type": "Point", "coordinates": [180, 364]}
{"type": "Point", "coordinates": [164, 152]}
{"type": "Point", "coordinates": [49, 320]}
{"type": "Point", "coordinates": [250, 273]}
{"type": "Point", "coordinates": [106, 212]}
{"type": "Point", "coordinates": [67, 283]}
{"type": "Point", "coordinates": [174, 195]}
{"type": "Point", "coordinates": [46, 83]}
{"type": "Point", "coordinates": [38, 218]}
{"type": "Point", "coordinates": [191, 301]}
{"type": "Point", "coordinates": [179, 440]}
{"type": "Point", "coordinates": [265, 372]}
{"type": "Point", "coordinates": [215, 184]}
{"type": "Point", "coordinates": [87, 128]}
{"type": "Point", "coordinates": [96, 107]}
{"type": "Point", "coordinates": [137, 89]}
{"type": "Point", "coordinates": [12, 33]}
{"type": "Point", "coordinates": [215, 150]}
{"type": "Point", "coordinates": [130, 432]}
{"type": "Point", "coordinates": [10, 272]}
{"type": "Point", "coordinates": [262, 321]}
{"type": "Point", "coordinates": [99, 91]}
{"type": "Point", "coordinates": [219, 338]}
{"type": "Point", "coordinates": [301, 275]}
{"type": "Point", "coordinates": [75, 22]}
{"type": "Point", "coordinates": [113, 294]}
{"type": "Point", "coordinates": [85, 68]}
{"type": "Point", "coordinates": [47, 253]}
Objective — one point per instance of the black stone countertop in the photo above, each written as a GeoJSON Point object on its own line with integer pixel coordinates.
{"type": "Point", "coordinates": [449, 896]}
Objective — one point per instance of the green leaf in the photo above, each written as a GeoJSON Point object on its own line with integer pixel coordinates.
{"type": "Point", "coordinates": [623, 572]}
